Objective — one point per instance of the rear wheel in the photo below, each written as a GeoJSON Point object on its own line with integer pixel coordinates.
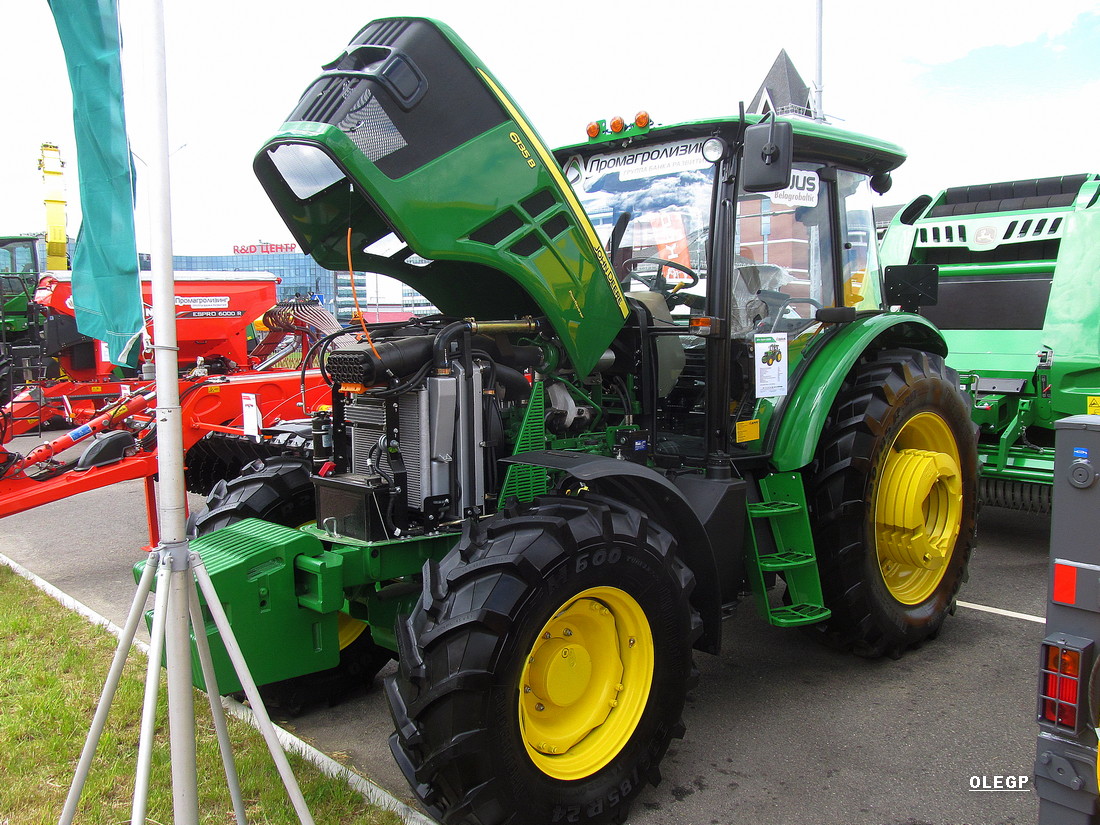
{"type": "Point", "coordinates": [543, 673]}
{"type": "Point", "coordinates": [279, 490]}
{"type": "Point", "coordinates": [894, 502]}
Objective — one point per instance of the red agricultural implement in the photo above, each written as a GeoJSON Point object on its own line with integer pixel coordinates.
{"type": "Point", "coordinates": [244, 396]}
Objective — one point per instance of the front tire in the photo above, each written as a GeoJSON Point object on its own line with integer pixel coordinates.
{"type": "Point", "coordinates": [894, 502]}
{"type": "Point", "coordinates": [544, 670]}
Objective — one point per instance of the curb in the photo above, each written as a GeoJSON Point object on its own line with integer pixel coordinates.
{"type": "Point", "coordinates": [374, 793]}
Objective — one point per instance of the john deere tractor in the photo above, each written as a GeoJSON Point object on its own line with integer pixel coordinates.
{"type": "Point", "coordinates": [542, 501]}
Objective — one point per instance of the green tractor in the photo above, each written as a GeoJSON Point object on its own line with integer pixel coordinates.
{"type": "Point", "coordinates": [544, 499]}
{"type": "Point", "coordinates": [20, 266]}
{"type": "Point", "coordinates": [1015, 266]}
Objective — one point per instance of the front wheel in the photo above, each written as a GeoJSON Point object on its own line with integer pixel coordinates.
{"type": "Point", "coordinates": [894, 502]}
{"type": "Point", "coordinates": [544, 671]}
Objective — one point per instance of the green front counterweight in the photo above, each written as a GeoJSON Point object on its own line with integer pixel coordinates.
{"type": "Point", "coordinates": [252, 566]}
{"type": "Point", "coordinates": [283, 592]}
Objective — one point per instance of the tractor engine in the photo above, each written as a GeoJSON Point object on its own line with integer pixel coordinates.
{"type": "Point", "coordinates": [411, 441]}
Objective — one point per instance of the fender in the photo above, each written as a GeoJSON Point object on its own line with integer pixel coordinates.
{"type": "Point", "coordinates": [801, 420]}
{"type": "Point", "coordinates": [633, 484]}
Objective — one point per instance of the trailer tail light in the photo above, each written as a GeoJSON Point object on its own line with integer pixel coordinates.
{"type": "Point", "coordinates": [1062, 692]}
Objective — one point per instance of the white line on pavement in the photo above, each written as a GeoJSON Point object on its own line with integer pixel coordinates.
{"type": "Point", "coordinates": [1012, 614]}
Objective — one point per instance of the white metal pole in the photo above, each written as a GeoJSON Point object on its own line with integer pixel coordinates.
{"type": "Point", "coordinates": [181, 697]}
{"type": "Point", "coordinates": [172, 498]}
{"type": "Point", "coordinates": [217, 712]}
{"type": "Point", "coordinates": [819, 114]}
{"type": "Point", "coordinates": [149, 706]}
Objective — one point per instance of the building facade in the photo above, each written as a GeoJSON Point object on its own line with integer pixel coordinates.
{"type": "Point", "coordinates": [301, 276]}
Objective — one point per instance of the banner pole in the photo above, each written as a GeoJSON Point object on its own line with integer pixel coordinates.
{"type": "Point", "coordinates": [172, 505]}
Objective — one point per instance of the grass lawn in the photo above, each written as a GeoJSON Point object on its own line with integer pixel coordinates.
{"type": "Point", "coordinates": [52, 667]}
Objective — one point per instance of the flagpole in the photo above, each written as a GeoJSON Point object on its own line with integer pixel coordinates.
{"type": "Point", "coordinates": [172, 502]}
{"type": "Point", "coordinates": [819, 113]}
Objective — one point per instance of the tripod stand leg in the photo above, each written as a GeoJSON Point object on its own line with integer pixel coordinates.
{"type": "Point", "coordinates": [181, 695]}
{"type": "Point", "coordinates": [114, 675]}
{"type": "Point", "coordinates": [152, 685]}
{"type": "Point", "coordinates": [263, 721]}
{"type": "Point", "coordinates": [216, 709]}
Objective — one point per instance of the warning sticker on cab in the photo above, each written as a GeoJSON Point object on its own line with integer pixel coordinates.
{"type": "Point", "coordinates": [748, 431]}
{"type": "Point", "coordinates": [1092, 406]}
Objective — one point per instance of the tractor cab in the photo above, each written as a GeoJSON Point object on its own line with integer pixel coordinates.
{"type": "Point", "coordinates": [19, 268]}
{"type": "Point", "coordinates": [784, 260]}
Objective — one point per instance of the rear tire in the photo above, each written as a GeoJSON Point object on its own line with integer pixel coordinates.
{"type": "Point", "coordinates": [279, 490]}
{"type": "Point", "coordinates": [894, 503]}
{"type": "Point", "coordinates": [507, 702]}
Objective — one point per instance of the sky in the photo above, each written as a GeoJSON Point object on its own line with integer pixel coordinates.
{"type": "Point", "coordinates": [975, 91]}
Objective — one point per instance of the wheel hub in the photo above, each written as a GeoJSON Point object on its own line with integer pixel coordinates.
{"type": "Point", "coordinates": [918, 508]}
{"type": "Point", "coordinates": [916, 526]}
{"type": "Point", "coordinates": [561, 673]}
{"type": "Point", "coordinates": [585, 683]}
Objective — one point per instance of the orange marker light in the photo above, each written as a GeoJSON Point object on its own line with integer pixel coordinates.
{"type": "Point", "coordinates": [593, 129]}
{"type": "Point", "coordinates": [617, 124]}
{"type": "Point", "coordinates": [641, 120]}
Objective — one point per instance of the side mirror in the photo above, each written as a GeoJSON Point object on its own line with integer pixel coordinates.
{"type": "Point", "coordinates": [767, 156]}
{"type": "Point", "coordinates": [912, 285]}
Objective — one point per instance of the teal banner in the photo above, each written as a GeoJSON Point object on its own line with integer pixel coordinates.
{"type": "Point", "coordinates": [106, 289]}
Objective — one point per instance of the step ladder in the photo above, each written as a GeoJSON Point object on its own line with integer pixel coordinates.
{"type": "Point", "coordinates": [792, 554]}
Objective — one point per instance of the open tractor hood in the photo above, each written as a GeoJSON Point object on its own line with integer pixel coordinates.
{"type": "Point", "coordinates": [407, 157]}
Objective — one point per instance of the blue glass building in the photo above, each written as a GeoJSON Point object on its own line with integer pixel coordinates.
{"type": "Point", "coordinates": [301, 276]}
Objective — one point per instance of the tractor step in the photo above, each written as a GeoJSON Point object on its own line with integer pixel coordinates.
{"type": "Point", "coordinates": [774, 509]}
{"type": "Point", "coordinates": [786, 560]}
{"type": "Point", "coordinates": [791, 554]}
{"type": "Point", "coordinates": [794, 615]}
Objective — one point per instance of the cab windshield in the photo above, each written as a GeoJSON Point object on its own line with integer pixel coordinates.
{"type": "Point", "coordinates": [656, 201]}
{"type": "Point", "coordinates": [17, 256]}
{"type": "Point", "coordinates": [651, 205]}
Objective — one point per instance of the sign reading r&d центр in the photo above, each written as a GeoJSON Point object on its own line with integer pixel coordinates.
{"type": "Point", "coordinates": [770, 350]}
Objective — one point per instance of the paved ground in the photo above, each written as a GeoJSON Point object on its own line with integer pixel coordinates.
{"type": "Point", "coordinates": [780, 731]}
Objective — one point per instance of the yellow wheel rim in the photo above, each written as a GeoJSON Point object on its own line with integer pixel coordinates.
{"type": "Point", "coordinates": [586, 683]}
{"type": "Point", "coordinates": [918, 508]}
{"type": "Point", "coordinates": [348, 629]}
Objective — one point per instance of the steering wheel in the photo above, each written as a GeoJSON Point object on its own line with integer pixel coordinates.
{"type": "Point", "coordinates": [657, 281]}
